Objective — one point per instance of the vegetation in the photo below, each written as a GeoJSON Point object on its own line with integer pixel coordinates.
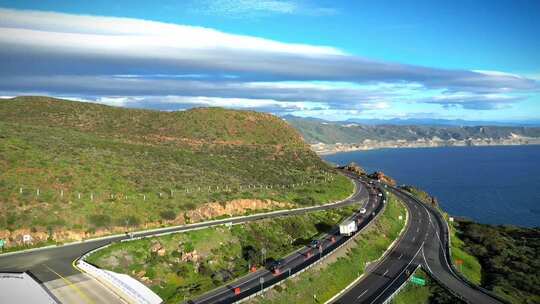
{"type": "Point", "coordinates": [80, 166]}
{"type": "Point", "coordinates": [198, 261]}
{"type": "Point", "coordinates": [465, 263]}
{"type": "Point", "coordinates": [325, 283]}
{"type": "Point", "coordinates": [510, 258]}
{"type": "Point", "coordinates": [315, 131]}
{"type": "Point", "coordinates": [431, 293]}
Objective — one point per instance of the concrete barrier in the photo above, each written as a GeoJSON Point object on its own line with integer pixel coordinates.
{"type": "Point", "coordinates": [135, 291]}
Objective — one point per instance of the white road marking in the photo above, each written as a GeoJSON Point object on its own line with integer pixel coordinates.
{"type": "Point", "coordinates": [425, 260]}
{"type": "Point", "coordinates": [363, 293]}
{"type": "Point", "coordinates": [414, 238]}
{"type": "Point", "coordinates": [399, 258]}
{"type": "Point", "coordinates": [417, 229]}
{"type": "Point", "coordinates": [385, 272]}
{"type": "Point", "coordinates": [388, 286]}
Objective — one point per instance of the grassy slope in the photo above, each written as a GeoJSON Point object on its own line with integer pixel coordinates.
{"type": "Point", "coordinates": [470, 267]}
{"type": "Point", "coordinates": [325, 283]}
{"type": "Point", "coordinates": [226, 253]}
{"type": "Point", "coordinates": [98, 150]}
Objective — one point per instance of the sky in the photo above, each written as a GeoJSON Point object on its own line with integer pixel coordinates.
{"type": "Point", "coordinates": [474, 60]}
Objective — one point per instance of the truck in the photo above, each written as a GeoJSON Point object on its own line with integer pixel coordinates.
{"type": "Point", "coordinates": [347, 227]}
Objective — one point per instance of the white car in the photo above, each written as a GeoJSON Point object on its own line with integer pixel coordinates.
{"type": "Point", "coordinates": [363, 211]}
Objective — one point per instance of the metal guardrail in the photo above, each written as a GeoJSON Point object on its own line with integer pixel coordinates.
{"type": "Point", "coordinates": [316, 262]}
{"type": "Point", "coordinates": [290, 272]}
{"type": "Point", "coordinates": [448, 255]}
{"type": "Point", "coordinates": [391, 297]}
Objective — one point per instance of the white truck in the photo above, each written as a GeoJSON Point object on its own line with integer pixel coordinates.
{"type": "Point", "coordinates": [347, 227]}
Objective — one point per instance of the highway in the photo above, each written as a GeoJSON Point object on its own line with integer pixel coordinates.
{"type": "Point", "coordinates": [54, 265]}
{"type": "Point", "coordinates": [296, 261]}
{"type": "Point", "coordinates": [422, 244]}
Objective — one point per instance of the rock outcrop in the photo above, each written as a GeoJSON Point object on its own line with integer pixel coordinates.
{"type": "Point", "coordinates": [383, 178]}
{"type": "Point", "coordinates": [355, 168]}
{"type": "Point", "coordinates": [204, 212]}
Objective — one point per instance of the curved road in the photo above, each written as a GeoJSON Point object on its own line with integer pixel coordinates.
{"type": "Point", "coordinates": [296, 261]}
{"type": "Point", "coordinates": [422, 244]}
{"type": "Point", "coordinates": [53, 265]}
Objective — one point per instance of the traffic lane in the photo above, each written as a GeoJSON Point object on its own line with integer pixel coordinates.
{"type": "Point", "coordinates": [291, 264]}
{"type": "Point", "coordinates": [61, 257]}
{"type": "Point", "coordinates": [435, 260]}
{"type": "Point", "coordinates": [385, 277]}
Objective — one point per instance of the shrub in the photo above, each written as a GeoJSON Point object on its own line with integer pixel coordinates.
{"type": "Point", "coordinates": [168, 215]}
{"type": "Point", "coordinates": [100, 220]}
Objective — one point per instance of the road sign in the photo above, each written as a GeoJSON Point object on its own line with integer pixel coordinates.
{"type": "Point", "coordinates": [237, 291]}
{"type": "Point", "coordinates": [459, 262]}
{"type": "Point", "coordinates": [418, 281]}
{"type": "Point", "coordinates": [2, 242]}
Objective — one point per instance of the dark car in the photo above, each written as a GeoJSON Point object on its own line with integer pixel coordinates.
{"type": "Point", "coordinates": [275, 265]}
{"type": "Point", "coordinates": [315, 244]}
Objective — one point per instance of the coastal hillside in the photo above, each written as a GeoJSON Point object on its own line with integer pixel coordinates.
{"type": "Point", "coordinates": [72, 169]}
{"type": "Point", "coordinates": [359, 136]}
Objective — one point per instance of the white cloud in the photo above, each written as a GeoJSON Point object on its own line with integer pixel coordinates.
{"type": "Point", "coordinates": [260, 8]}
{"type": "Point", "coordinates": [123, 59]}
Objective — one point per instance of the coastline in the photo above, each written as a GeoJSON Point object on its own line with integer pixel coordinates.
{"type": "Point", "coordinates": [329, 149]}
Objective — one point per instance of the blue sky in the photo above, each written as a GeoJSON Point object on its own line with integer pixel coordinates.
{"type": "Point", "coordinates": [475, 60]}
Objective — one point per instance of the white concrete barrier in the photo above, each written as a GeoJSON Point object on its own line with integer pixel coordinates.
{"type": "Point", "coordinates": [136, 291]}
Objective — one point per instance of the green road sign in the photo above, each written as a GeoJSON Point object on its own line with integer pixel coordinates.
{"type": "Point", "coordinates": [418, 281]}
{"type": "Point", "coordinates": [2, 243]}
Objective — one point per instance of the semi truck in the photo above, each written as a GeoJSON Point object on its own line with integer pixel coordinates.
{"type": "Point", "coordinates": [348, 227]}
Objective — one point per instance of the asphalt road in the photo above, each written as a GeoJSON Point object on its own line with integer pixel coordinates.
{"type": "Point", "coordinates": [422, 244]}
{"type": "Point", "coordinates": [436, 261]}
{"type": "Point", "coordinates": [53, 266]}
{"type": "Point", "coordinates": [296, 261]}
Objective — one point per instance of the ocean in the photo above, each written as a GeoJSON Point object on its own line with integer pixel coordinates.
{"type": "Point", "coordinates": [492, 185]}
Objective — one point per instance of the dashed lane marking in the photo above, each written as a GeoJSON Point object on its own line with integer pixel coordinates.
{"type": "Point", "coordinates": [363, 293]}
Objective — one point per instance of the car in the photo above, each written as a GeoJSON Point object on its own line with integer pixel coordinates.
{"type": "Point", "coordinates": [314, 243]}
{"type": "Point", "coordinates": [363, 211]}
{"type": "Point", "coordinates": [275, 265]}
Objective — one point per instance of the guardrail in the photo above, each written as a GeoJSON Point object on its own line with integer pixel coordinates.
{"type": "Point", "coordinates": [279, 281]}
{"type": "Point", "coordinates": [448, 254]}
{"type": "Point", "coordinates": [391, 297]}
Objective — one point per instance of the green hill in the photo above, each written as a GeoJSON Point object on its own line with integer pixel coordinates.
{"type": "Point", "coordinates": [100, 167]}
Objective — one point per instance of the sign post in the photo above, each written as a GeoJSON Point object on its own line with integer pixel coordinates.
{"type": "Point", "coordinates": [261, 280]}
{"type": "Point", "coordinates": [459, 263]}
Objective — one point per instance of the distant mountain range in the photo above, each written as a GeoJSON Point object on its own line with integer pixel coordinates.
{"type": "Point", "coordinates": [332, 136]}
{"type": "Point", "coordinates": [424, 122]}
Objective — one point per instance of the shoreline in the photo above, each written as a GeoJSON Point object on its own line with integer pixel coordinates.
{"type": "Point", "coordinates": [330, 149]}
